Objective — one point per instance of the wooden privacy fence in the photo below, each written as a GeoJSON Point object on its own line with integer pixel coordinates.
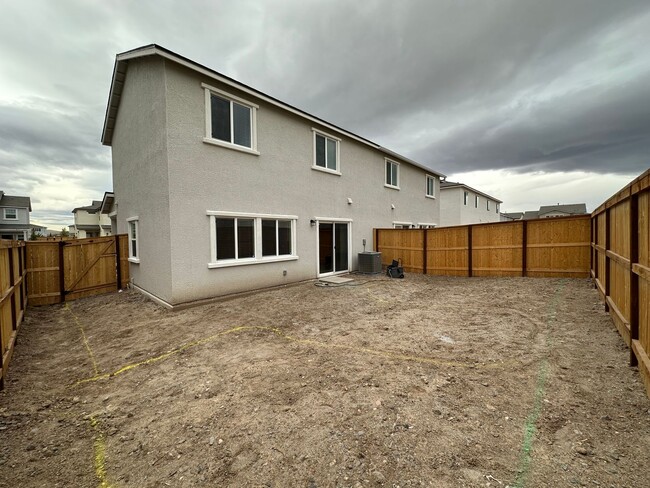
{"type": "Point", "coordinates": [621, 266]}
{"type": "Point", "coordinates": [59, 271]}
{"type": "Point", "coordinates": [555, 247]}
{"type": "Point", "coordinates": [13, 299]}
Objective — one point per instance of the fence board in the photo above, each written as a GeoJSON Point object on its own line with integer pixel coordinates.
{"type": "Point", "coordinates": [405, 245]}
{"type": "Point", "coordinates": [558, 248]}
{"type": "Point", "coordinates": [89, 267]}
{"type": "Point", "coordinates": [621, 260]}
{"type": "Point", "coordinates": [539, 248]}
{"type": "Point", "coordinates": [447, 251]}
{"type": "Point", "coordinates": [12, 299]}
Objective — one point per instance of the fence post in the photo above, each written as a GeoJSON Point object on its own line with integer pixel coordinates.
{"type": "Point", "coordinates": [595, 255]}
{"type": "Point", "coordinates": [634, 278]}
{"type": "Point", "coordinates": [376, 240]}
{"type": "Point", "coordinates": [12, 284]}
{"type": "Point", "coordinates": [469, 251]}
{"type": "Point", "coordinates": [607, 245]}
{"type": "Point", "coordinates": [118, 262]}
{"type": "Point", "coordinates": [524, 246]}
{"type": "Point", "coordinates": [424, 250]}
{"type": "Point", "coordinates": [61, 272]}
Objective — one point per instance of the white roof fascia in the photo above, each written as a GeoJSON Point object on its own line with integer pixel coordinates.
{"type": "Point", "coordinates": [153, 50]}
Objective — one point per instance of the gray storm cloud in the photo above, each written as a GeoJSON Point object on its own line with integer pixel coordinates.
{"type": "Point", "coordinates": [458, 85]}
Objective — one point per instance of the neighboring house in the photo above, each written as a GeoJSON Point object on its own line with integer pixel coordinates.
{"type": "Point", "coordinates": [89, 222]}
{"type": "Point", "coordinates": [109, 207]}
{"type": "Point", "coordinates": [461, 204]}
{"type": "Point", "coordinates": [223, 189]}
{"type": "Point", "coordinates": [38, 230]}
{"type": "Point", "coordinates": [547, 211]}
{"type": "Point", "coordinates": [14, 217]}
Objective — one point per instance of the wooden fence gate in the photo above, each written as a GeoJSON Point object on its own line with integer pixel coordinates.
{"type": "Point", "coordinates": [67, 270]}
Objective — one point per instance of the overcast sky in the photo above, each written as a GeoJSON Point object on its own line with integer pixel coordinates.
{"type": "Point", "coordinates": [533, 102]}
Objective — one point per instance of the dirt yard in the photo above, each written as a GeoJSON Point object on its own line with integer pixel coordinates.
{"type": "Point", "coordinates": [444, 382]}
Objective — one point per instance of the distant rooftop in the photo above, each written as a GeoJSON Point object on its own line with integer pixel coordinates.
{"type": "Point", "coordinates": [11, 201]}
{"type": "Point", "coordinates": [94, 208]}
{"type": "Point", "coordinates": [444, 184]}
{"type": "Point", "coordinates": [544, 210]}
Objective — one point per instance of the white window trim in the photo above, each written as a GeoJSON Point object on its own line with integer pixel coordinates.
{"type": "Point", "coordinates": [208, 120]}
{"type": "Point", "coordinates": [487, 204]}
{"type": "Point", "coordinates": [476, 201]}
{"type": "Point", "coordinates": [426, 190]}
{"type": "Point", "coordinates": [465, 198]}
{"type": "Point", "coordinates": [258, 258]}
{"type": "Point", "coordinates": [10, 218]}
{"type": "Point", "coordinates": [387, 160]}
{"type": "Point", "coordinates": [395, 222]}
{"type": "Point", "coordinates": [337, 171]}
{"type": "Point", "coordinates": [134, 259]}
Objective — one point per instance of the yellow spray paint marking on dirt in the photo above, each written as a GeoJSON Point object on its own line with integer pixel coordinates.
{"type": "Point", "coordinates": [100, 454]}
{"type": "Point", "coordinates": [99, 442]}
{"type": "Point", "coordinates": [85, 339]}
{"type": "Point", "coordinates": [278, 332]}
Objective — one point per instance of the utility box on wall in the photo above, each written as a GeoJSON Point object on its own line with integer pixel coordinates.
{"type": "Point", "coordinates": [370, 262]}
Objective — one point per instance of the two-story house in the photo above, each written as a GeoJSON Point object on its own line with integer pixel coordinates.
{"type": "Point", "coordinates": [90, 222]}
{"type": "Point", "coordinates": [224, 189]}
{"type": "Point", "coordinates": [461, 205]}
{"type": "Point", "coordinates": [14, 217]}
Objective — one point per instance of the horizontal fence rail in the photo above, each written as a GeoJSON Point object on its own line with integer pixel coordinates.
{"type": "Point", "coordinates": [620, 266]}
{"type": "Point", "coordinates": [13, 299]}
{"type": "Point", "coordinates": [554, 247]}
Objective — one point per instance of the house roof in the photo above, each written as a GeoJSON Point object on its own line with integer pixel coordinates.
{"type": "Point", "coordinates": [87, 227]}
{"type": "Point", "coordinates": [107, 202]}
{"type": "Point", "coordinates": [18, 202]}
{"type": "Point", "coordinates": [531, 214]}
{"type": "Point", "coordinates": [513, 215]}
{"type": "Point", "coordinates": [119, 75]}
{"type": "Point", "coordinates": [570, 209]}
{"type": "Point", "coordinates": [93, 208]}
{"type": "Point", "coordinates": [444, 185]}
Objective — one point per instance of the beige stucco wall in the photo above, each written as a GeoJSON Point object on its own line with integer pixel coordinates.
{"type": "Point", "coordinates": [278, 181]}
{"type": "Point", "coordinates": [453, 211]}
{"type": "Point", "coordinates": [140, 179]}
{"type": "Point", "coordinates": [165, 174]}
{"type": "Point", "coordinates": [82, 217]}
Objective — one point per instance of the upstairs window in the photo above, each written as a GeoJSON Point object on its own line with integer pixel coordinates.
{"type": "Point", "coordinates": [392, 174]}
{"type": "Point", "coordinates": [487, 204]}
{"type": "Point", "coordinates": [326, 152]}
{"type": "Point", "coordinates": [230, 121]}
{"type": "Point", "coordinates": [11, 214]}
{"type": "Point", "coordinates": [465, 197]}
{"type": "Point", "coordinates": [476, 201]}
{"type": "Point", "coordinates": [497, 209]}
{"type": "Point", "coordinates": [431, 186]}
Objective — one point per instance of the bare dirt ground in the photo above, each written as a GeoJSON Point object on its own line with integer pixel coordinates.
{"type": "Point", "coordinates": [444, 382]}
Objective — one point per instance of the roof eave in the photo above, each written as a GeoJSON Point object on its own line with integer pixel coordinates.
{"type": "Point", "coordinates": [121, 61]}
